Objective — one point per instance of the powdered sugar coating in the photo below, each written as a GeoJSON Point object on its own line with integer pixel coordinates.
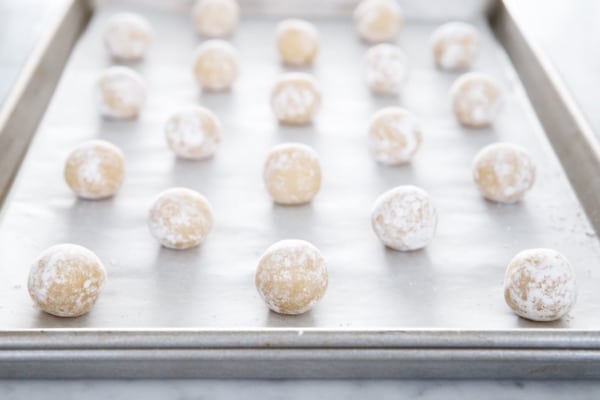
{"type": "Point", "coordinates": [404, 218]}
{"type": "Point", "coordinates": [378, 20]}
{"type": "Point", "coordinates": [386, 68]}
{"type": "Point", "coordinates": [540, 285]}
{"type": "Point", "coordinates": [180, 218]}
{"type": "Point", "coordinates": [503, 172]}
{"type": "Point", "coordinates": [127, 36]}
{"type": "Point", "coordinates": [291, 276]}
{"type": "Point", "coordinates": [455, 45]}
{"type": "Point", "coordinates": [394, 136]}
{"type": "Point", "coordinates": [95, 169]}
{"type": "Point", "coordinates": [295, 98]}
{"type": "Point", "coordinates": [475, 99]}
{"type": "Point", "coordinates": [292, 173]}
{"type": "Point", "coordinates": [297, 42]}
{"type": "Point", "coordinates": [66, 280]}
{"type": "Point", "coordinates": [216, 65]}
{"type": "Point", "coordinates": [193, 133]}
{"type": "Point", "coordinates": [215, 18]}
{"type": "Point", "coordinates": [120, 93]}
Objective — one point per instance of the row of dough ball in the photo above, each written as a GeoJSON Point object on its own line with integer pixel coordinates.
{"type": "Point", "coordinates": [296, 96]}
{"type": "Point", "coordinates": [67, 279]}
{"type": "Point", "coordinates": [291, 277]}
{"type": "Point", "coordinates": [95, 169]}
{"type": "Point", "coordinates": [454, 45]}
{"type": "Point", "coordinates": [121, 93]}
{"type": "Point", "coordinates": [292, 173]}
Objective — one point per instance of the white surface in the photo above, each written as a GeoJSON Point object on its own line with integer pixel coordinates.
{"type": "Point", "coordinates": [298, 390]}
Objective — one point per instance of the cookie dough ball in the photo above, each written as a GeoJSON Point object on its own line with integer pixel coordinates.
{"type": "Point", "coordinates": [503, 172]}
{"type": "Point", "coordinates": [386, 68]}
{"type": "Point", "coordinates": [291, 276]}
{"type": "Point", "coordinates": [394, 136]}
{"type": "Point", "coordinates": [95, 169]}
{"type": "Point", "coordinates": [216, 65]}
{"type": "Point", "coordinates": [378, 20]}
{"type": "Point", "coordinates": [180, 218]}
{"type": "Point", "coordinates": [295, 98]}
{"type": "Point", "coordinates": [292, 173]}
{"type": "Point", "coordinates": [540, 285]}
{"type": "Point", "coordinates": [120, 93]}
{"type": "Point", "coordinates": [297, 42]}
{"type": "Point", "coordinates": [66, 280]}
{"type": "Point", "coordinates": [404, 218]}
{"type": "Point", "coordinates": [455, 45]}
{"type": "Point", "coordinates": [127, 36]}
{"type": "Point", "coordinates": [215, 18]}
{"type": "Point", "coordinates": [475, 99]}
{"type": "Point", "coordinates": [193, 133]}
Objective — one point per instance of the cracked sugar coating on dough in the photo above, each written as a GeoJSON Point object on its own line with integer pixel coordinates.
{"type": "Point", "coordinates": [127, 36]}
{"type": "Point", "coordinates": [66, 280]}
{"type": "Point", "coordinates": [120, 93]}
{"type": "Point", "coordinates": [297, 42]}
{"type": "Point", "coordinates": [95, 169]}
{"type": "Point", "coordinates": [455, 45]}
{"type": "Point", "coordinates": [193, 133]}
{"type": "Point", "coordinates": [394, 136]}
{"type": "Point", "coordinates": [295, 98]}
{"type": "Point", "coordinates": [292, 173]}
{"type": "Point", "coordinates": [404, 218]}
{"type": "Point", "coordinates": [475, 99]}
{"type": "Point", "coordinates": [291, 276]}
{"type": "Point", "coordinates": [216, 65]}
{"type": "Point", "coordinates": [180, 218]}
{"type": "Point", "coordinates": [378, 20]}
{"type": "Point", "coordinates": [503, 172]}
{"type": "Point", "coordinates": [540, 285]}
{"type": "Point", "coordinates": [215, 18]}
{"type": "Point", "coordinates": [386, 68]}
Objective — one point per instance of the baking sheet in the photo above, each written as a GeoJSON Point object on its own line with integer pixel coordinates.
{"type": "Point", "coordinates": [456, 283]}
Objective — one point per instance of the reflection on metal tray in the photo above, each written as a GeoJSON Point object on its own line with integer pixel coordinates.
{"type": "Point", "coordinates": [433, 313]}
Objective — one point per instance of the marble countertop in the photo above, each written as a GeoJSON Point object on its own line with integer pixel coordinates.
{"type": "Point", "coordinates": [297, 390]}
{"type": "Point", "coordinates": [548, 24]}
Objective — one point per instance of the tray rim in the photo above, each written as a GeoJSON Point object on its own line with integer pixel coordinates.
{"type": "Point", "coordinates": [29, 86]}
{"type": "Point", "coordinates": [525, 338]}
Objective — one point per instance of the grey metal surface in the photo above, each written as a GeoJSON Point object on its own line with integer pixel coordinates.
{"type": "Point", "coordinates": [37, 71]}
{"type": "Point", "coordinates": [437, 312]}
{"type": "Point", "coordinates": [571, 136]}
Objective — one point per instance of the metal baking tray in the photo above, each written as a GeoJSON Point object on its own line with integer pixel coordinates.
{"type": "Point", "coordinates": [439, 312]}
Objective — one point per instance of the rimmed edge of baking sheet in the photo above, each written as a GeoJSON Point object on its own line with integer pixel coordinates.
{"type": "Point", "coordinates": [569, 133]}
{"type": "Point", "coordinates": [27, 101]}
